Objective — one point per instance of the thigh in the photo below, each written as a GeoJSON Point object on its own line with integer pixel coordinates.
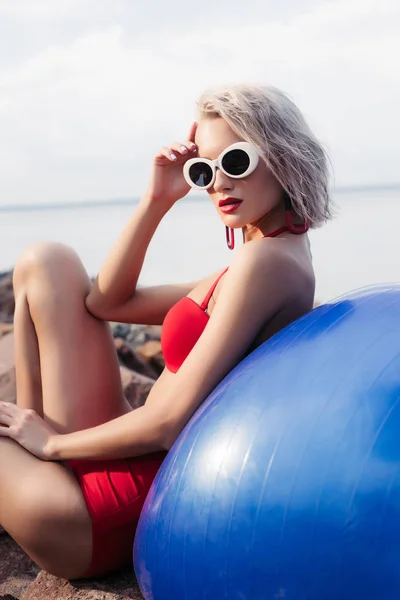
{"type": "Point", "coordinates": [81, 381]}
{"type": "Point", "coordinates": [43, 509]}
{"type": "Point", "coordinates": [80, 376]}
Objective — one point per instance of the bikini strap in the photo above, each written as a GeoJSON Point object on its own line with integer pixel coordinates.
{"type": "Point", "coordinates": [204, 304]}
{"type": "Point", "coordinates": [277, 232]}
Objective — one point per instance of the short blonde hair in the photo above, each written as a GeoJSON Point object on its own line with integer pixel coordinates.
{"type": "Point", "coordinates": [267, 118]}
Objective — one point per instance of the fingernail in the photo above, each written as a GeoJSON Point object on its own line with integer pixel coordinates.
{"type": "Point", "coordinates": [183, 149]}
{"type": "Point", "coordinates": [173, 156]}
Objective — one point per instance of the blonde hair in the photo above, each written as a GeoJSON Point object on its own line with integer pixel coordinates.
{"type": "Point", "coordinates": [267, 118]}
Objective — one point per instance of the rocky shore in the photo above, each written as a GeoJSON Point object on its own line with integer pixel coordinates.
{"type": "Point", "coordinates": [141, 362]}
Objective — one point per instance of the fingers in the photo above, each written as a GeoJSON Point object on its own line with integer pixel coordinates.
{"type": "Point", "coordinates": [5, 432]}
{"type": "Point", "coordinates": [166, 152]}
{"type": "Point", "coordinates": [183, 148]}
{"type": "Point", "coordinates": [177, 150]}
{"type": "Point", "coordinates": [192, 132]}
{"type": "Point", "coordinates": [8, 408]}
{"type": "Point", "coordinates": [7, 413]}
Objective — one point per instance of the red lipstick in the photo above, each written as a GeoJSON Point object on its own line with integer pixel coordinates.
{"type": "Point", "coordinates": [229, 205]}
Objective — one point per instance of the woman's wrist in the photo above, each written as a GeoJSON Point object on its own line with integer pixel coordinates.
{"type": "Point", "coordinates": [156, 205]}
{"type": "Point", "coordinates": [53, 450]}
{"type": "Point", "coordinates": [149, 202]}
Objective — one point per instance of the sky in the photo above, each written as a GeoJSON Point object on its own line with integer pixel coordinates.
{"type": "Point", "coordinates": [90, 89]}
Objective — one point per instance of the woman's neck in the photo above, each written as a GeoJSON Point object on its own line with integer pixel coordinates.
{"type": "Point", "coordinates": [270, 222]}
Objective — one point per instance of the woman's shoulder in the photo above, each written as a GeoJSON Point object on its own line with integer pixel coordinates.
{"type": "Point", "coordinates": [266, 262]}
{"type": "Point", "coordinates": [272, 253]}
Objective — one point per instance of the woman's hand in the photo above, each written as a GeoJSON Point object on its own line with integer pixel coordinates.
{"type": "Point", "coordinates": [167, 184]}
{"type": "Point", "coordinates": [27, 428]}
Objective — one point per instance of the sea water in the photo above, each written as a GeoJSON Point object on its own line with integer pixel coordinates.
{"type": "Point", "coordinates": [359, 247]}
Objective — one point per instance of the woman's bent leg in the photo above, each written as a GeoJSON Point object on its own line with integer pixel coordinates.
{"type": "Point", "coordinates": [42, 507]}
{"type": "Point", "coordinates": [63, 354]}
{"type": "Point", "coordinates": [67, 370]}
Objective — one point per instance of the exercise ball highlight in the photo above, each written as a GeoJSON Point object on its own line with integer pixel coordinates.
{"type": "Point", "coordinates": [286, 482]}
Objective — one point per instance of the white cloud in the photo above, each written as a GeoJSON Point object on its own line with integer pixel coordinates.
{"type": "Point", "coordinates": [81, 119]}
{"type": "Point", "coordinates": [39, 9]}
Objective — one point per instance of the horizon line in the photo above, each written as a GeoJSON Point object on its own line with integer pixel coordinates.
{"type": "Point", "coordinates": [345, 189]}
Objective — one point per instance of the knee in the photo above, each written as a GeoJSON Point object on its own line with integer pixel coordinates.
{"type": "Point", "coordinates": [51, 259]}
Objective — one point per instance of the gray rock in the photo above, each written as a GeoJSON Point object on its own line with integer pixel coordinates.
{"type": "Point", "coordinates": [136, 387]}
{"type": "Point", "coordinates": [121, 586]}
{"type": "Point", "coordinates": [129, 358]}
{"type": "Point", "coordinates": [8, 391]}
{"type": "Point", "coordinates": [7, 304]}
{"type": "Point", "coordinates": [120, 330]}
{"type": "Point", "coordinates": [17, 571]}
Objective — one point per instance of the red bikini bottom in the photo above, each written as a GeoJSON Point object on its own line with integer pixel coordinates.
{"type": "Point", "coordinates": [114, 491]}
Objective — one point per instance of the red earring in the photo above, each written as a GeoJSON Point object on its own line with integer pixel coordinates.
{"type": "Point", "coordinates": [230, 237]}
{"type": "Point", "coordinates": [297, 229]}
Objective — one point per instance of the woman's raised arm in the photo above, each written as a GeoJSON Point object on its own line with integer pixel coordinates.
{"type": "Point", "coordinates": [112, 296]}
{"type": "Point", "coordinates": [116, 282]}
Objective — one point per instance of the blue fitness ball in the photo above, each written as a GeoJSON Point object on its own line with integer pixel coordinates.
{"type": "Point", "coordinates": [286, 482]}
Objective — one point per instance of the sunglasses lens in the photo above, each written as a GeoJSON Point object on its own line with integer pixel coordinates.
{"type": "Point", "coordinates": [236, 162]}
{"type": "Point", "coordinates": [201, 174]}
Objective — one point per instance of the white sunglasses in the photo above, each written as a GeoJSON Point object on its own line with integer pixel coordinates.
{"type": "Point", "coordinates": [237, 161]}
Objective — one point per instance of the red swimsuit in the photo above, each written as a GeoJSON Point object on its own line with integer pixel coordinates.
{"type": "Point", "coordinates": [184, 322]}
{"type": "Point", "coordinates": [115, 490]}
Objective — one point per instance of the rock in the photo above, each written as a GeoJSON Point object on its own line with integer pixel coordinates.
{"type": "Point", "coordinates": [129, 358]}
{"type": "Point", "coordinates": [140, 334]}
{"type": "Point", "coordinates": [151, 351]}
{"type": "Point", "coordinates": [136, 387]}
{"type": "Point", "coordinates": [7, 303]}
{"type": "Point", "coordinates": [8, 391]}
{"type": "Point", "coordinates": [21, 579]}
{"type": "Point", "coordinates": [17, 571]}
{"type": "Point", "coordinates": [122, 586]}
{"type": "Point", "coordinates": [120, 330]}
{"type": "Point", "coordinates": [136, 335]}
{"type": "Point", "coordinates": [6, 328]}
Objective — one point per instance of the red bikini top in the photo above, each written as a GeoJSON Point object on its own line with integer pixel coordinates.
{"type": "Point", "coordinates": [186, 321]}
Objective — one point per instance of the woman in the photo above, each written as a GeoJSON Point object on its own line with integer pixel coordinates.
{"type": "Point", "coordinates": [76, 461]}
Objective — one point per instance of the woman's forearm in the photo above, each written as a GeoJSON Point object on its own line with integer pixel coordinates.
{"type": "Point", "coordinates": [136, 433]}
{"type": "Point", "coordinates": [117, 279]}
